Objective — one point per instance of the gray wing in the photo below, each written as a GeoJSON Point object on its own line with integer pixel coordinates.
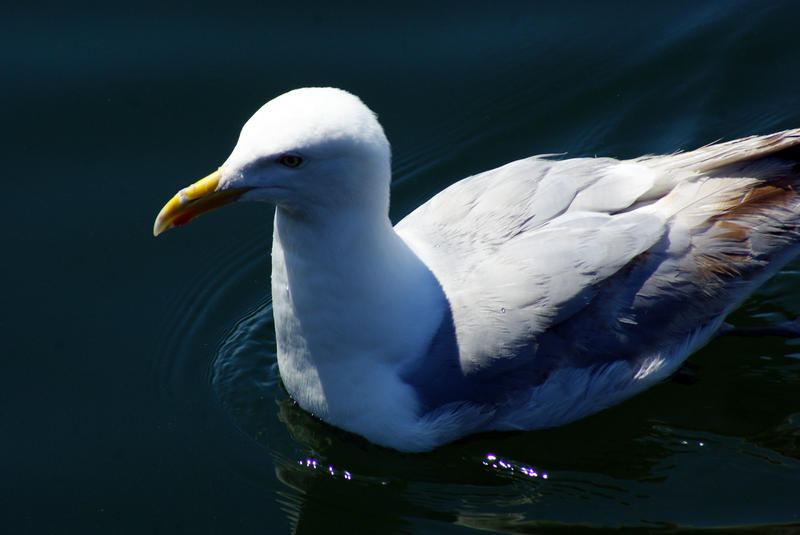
{"type": "Point", "coordinates": [576, 263]}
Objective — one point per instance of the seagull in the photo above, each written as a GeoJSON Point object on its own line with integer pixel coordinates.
{"type": "Point", "coordinates": [524, 297]}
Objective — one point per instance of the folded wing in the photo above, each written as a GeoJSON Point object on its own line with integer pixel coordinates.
{"type": "Point", "coordinates": [580, 263]}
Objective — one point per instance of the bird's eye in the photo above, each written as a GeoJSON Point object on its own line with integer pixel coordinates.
{"type": "Point", "coordinates": [290, 160]}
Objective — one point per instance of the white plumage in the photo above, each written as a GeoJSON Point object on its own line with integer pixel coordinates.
{"type": "Point", "coordinates": [523, 297]}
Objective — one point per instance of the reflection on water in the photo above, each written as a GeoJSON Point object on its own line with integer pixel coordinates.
{"type": "Point", "coordinates": [680, 443]}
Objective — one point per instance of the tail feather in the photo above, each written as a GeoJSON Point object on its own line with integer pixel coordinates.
{"type": "Point", "coordinates": [750, 226]}
{"type": "Point", "coordinates": [714, 157]}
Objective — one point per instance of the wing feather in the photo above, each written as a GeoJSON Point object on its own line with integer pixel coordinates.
{"type": "Point", "coordinates": [575, 263]}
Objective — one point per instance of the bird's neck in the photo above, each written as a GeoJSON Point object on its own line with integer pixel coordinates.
{"type": "Point", "coordinates": [348, 295]}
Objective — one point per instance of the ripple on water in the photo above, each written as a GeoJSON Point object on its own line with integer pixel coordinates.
{"type": "Point", "coordinates": [244, 374]}
{"type": "Point", "coordinates": [196, 308]}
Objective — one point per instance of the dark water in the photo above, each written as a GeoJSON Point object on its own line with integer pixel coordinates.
{"type": "Point", "coordinates": [139, 390]}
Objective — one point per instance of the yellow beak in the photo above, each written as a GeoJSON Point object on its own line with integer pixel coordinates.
{"type": "Point", "coordinates": [191, 201]}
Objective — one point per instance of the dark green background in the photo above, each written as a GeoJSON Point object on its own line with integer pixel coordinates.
{"type": "Point", "coordinates": [138, 391]}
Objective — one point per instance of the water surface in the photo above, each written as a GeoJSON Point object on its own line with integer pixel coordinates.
{"type": "Point", "coordinates": [140, 391]}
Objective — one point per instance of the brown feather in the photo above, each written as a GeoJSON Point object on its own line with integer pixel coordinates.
{"type": "Point", "coordinates": [755, 221]}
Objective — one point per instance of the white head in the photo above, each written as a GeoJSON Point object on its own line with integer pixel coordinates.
{"type": "Point", "coordinates": [307, 151]}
